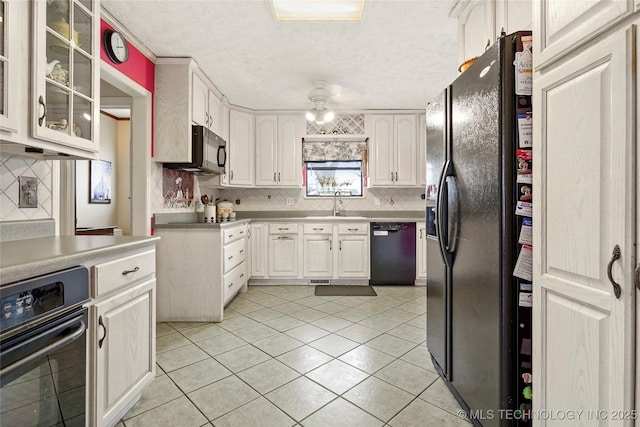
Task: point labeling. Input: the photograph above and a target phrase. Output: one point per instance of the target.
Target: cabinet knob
(274, 177)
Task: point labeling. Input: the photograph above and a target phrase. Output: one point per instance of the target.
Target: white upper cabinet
(10, 66)
(206, 106)
(562, 25)
(279, 150)
(422, 151)
(266, 150)
(476, 28)
(183, 98)
(513, 15)
(65, 69)
(393, 149)
(241, 149)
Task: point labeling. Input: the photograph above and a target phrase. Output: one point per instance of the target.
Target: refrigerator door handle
(441, 214)
(453, 210)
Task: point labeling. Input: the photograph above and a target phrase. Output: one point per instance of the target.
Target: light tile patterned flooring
(284, 357)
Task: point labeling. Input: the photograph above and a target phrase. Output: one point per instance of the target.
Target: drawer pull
(241, 250)
(101, 323)
(318, 229)
(352, 229)
(242, 275)
(283, 228)
(230, 285)
(230, 236)
(135, 270)
(230, 258)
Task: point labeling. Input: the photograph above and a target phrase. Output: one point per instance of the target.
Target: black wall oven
(43, 350)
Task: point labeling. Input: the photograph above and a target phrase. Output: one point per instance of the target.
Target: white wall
(123, 174)
(98, 215)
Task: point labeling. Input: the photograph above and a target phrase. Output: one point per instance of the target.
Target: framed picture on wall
(99, 181)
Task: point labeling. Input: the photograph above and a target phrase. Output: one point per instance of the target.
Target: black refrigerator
(478, 312)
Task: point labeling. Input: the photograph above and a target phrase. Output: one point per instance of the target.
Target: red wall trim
(138, 68)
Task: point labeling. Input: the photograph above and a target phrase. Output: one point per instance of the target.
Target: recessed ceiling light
(318, 10)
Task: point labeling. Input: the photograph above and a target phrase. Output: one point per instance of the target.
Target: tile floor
(284, 357)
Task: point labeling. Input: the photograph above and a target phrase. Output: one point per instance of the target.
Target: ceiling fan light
(329, 116)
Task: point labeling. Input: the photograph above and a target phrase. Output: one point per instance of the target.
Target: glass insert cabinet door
(66, 72)
(9, 40)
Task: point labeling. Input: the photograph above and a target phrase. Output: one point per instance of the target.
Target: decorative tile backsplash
(11, 168)
(344, 124)
(263, 199)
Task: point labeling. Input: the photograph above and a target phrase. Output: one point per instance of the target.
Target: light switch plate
(27, 192)
(289, 201)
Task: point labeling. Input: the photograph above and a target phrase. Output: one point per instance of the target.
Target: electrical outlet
(376, 201)
(289, 201)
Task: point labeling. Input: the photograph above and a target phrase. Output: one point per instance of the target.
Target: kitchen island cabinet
(201, 267)
(122, 334)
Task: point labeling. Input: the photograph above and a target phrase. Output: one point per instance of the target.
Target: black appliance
(208, 153)
(393, 253)
(477, 333)
(43, 350)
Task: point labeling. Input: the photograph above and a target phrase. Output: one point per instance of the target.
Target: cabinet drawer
(234, 253)
(122, 272)
(318, 229)
(235, 233)
(233, 280)
(283, 228)
(353, 228)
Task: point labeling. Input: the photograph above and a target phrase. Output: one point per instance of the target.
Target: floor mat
(344, 291)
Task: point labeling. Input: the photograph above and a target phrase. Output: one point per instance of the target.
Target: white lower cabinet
(258, 250)
(200, 271)
(317, 249)
(283, 252)
(353, 250)
(353, 258)
(121, 336)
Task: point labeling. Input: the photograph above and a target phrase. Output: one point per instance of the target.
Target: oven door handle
(68, 337)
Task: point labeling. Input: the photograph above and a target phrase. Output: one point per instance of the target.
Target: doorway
(134, 211)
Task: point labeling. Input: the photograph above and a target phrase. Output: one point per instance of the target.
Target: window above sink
(325, 178)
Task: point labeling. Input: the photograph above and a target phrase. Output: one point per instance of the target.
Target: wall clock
(115, 46)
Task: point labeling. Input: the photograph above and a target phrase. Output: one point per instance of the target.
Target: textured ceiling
(401, 55)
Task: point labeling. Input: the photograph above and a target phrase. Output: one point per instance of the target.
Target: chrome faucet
(337, 198)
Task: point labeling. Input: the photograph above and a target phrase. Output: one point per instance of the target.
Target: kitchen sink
(335, 218)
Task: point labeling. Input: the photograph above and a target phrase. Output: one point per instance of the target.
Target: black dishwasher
(393, 253)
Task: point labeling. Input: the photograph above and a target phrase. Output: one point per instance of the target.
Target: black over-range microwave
(208, 153)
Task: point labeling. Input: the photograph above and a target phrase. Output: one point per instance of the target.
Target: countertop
(26, 258)
(189, 220)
